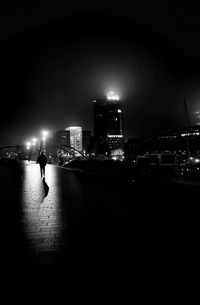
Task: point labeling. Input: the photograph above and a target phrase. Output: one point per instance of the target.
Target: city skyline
(53, 70)
(99, 148)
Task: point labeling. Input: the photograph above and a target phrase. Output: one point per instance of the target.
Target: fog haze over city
(99, 149)
(55, 60)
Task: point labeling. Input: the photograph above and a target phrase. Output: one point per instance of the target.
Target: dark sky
(57, 58)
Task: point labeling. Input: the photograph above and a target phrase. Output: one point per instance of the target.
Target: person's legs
(41, 170)
(44, 171)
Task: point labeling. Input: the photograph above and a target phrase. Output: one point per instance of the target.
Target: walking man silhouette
(42, 160)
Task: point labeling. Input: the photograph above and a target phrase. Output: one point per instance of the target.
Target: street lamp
(28, 145)
(34, 140)
(43, 141)
(44, 133)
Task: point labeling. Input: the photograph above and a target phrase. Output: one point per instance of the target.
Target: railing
(68, 148)
(20, 151)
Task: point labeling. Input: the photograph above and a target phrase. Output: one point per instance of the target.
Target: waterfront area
(74, 224)
(99, 151)
(65, 225)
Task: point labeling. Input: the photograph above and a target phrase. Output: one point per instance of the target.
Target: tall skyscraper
(108, 128)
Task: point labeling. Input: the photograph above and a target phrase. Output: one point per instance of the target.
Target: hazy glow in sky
(53, 73)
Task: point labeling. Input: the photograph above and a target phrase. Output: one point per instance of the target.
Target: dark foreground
(74, 230)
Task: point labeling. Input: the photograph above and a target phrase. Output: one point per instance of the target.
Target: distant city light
(119, 110)
(190, 134)
(115, 136)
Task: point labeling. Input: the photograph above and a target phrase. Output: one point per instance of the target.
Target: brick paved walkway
(69, 222)
(76, 227)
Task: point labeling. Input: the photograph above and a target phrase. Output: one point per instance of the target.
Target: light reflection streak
(41, 214)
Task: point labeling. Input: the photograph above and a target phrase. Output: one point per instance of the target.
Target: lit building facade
(75, 138)
(108, 126)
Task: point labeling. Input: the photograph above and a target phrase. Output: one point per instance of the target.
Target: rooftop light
(112, 96)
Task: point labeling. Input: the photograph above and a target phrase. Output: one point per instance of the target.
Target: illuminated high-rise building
(75, 136)
(108, 128)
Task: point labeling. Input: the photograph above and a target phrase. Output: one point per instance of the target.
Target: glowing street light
(28, 145)
(34, 140)
(44, 135)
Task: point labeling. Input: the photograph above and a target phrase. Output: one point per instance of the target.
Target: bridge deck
(67, 222)
(74, 226)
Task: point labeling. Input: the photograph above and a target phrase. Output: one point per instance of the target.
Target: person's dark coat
(42, 160)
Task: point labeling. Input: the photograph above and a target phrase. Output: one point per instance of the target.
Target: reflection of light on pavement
(41, 215)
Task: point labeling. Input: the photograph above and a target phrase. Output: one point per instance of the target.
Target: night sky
(57, 58)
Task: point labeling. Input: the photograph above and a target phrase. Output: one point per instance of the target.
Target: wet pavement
(67, 225)
(76, 230)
